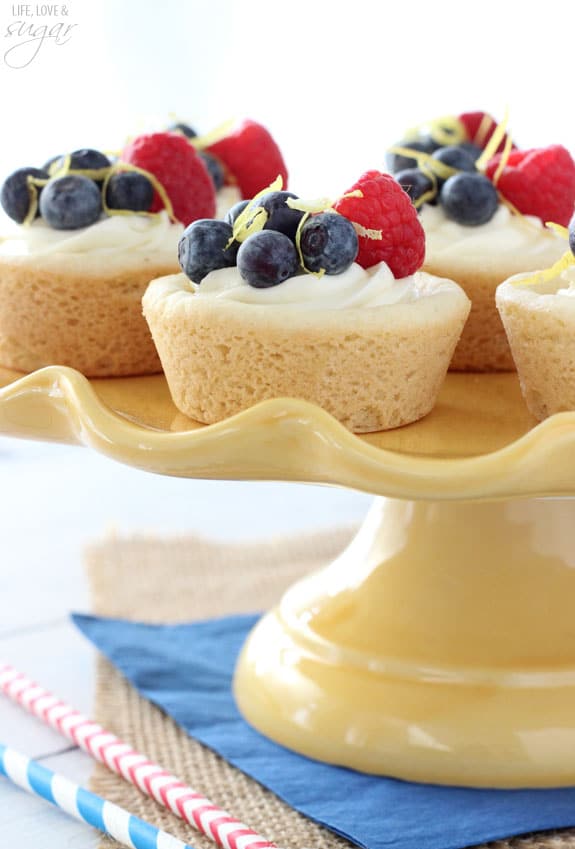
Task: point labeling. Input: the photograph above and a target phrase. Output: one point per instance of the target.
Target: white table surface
(53, 500)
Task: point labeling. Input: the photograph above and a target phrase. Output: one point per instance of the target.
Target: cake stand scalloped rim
(286, 439)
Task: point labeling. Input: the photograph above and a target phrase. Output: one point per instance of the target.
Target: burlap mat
(181, 580)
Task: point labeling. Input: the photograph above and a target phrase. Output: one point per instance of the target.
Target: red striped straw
(119, 757)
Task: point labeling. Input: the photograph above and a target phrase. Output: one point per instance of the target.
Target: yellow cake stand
(440, 646)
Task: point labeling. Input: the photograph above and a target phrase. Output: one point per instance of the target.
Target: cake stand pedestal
(440, 646)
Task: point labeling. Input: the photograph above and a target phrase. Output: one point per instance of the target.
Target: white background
(336, 82)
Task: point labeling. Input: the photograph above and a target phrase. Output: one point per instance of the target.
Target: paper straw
(82, 804)
(119, 757)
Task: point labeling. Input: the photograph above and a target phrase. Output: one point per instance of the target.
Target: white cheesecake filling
(507, 238)
(154, 238)
(352, 289)
(355, 287)
(139, 236)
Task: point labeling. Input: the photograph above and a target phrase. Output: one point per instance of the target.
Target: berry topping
(215, 170)
(204, 248)
(49, 165)
(400, 162)
(86, 159)
(328, 242)
(386, 222)
(469, 199)
(129, 190)
(251, 156)
(17, 194)
(267, 258)
(455, 157)
(177, 166)
(70, 202)
(473, 150)
(235, 211)
(280, 216)
(572, 234)
(538, 182)
(183, 129)
(415, 183)
(479, 127)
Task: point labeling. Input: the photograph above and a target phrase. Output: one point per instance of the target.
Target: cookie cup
(540, 326)
(371, 368)
(479, 259)
(483, 346)
(77, 311)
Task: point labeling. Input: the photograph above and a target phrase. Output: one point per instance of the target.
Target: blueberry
(267, 258)
(202, 248)
(430, 143)
(456, 157)
(280, 216)
(215, 170)
(328, 241)
(184, 129)
(414, 182)
(129, 190)
(469, 199)
(235, 211)
(15, 195)
(70, 202)
(572, 234)
(472, 149)
(398, 162)
(88, 159)
(85, 159)
(50, 162)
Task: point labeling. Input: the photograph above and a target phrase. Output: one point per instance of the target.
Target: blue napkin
(186, 670)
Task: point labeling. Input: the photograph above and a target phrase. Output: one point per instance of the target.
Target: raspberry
(252, 157)
(182, 173)
(472, 121)
(385, 206)
(539, 182)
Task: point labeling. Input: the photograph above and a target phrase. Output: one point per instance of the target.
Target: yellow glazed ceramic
(478, 443)
(441, 645)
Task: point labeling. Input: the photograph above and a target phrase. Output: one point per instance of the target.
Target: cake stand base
(439, 647)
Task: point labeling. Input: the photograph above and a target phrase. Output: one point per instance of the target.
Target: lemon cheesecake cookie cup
(308, 308)
(89, 235)
(483, 205)
(371, 350)
(479, 259)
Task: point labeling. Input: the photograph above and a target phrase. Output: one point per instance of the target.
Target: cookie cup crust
(372, 368)
(540, 326)
(77, 311)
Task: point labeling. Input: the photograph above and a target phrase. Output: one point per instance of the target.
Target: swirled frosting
(354, 288)
(522, 238)
(138, 235)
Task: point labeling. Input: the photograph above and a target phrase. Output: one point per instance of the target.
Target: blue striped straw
(83, 805)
